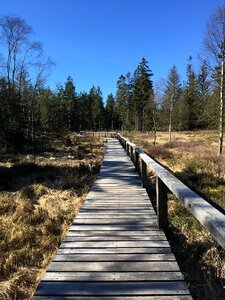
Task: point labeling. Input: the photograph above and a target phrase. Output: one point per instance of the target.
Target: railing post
(128, 146)
(161, 203)
(132, 153)
(137, 167)
(143, 173)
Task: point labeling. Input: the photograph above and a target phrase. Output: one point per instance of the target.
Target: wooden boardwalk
(114, 249)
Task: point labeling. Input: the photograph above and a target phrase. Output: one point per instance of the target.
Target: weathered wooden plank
(115, 185)
(84, 216)
(165, 297)
(125, 206)
(98, 187)
(99, 233)
(110, 190)
(71, 238)
(113, 276)
(104, 214)
(120, 266)
(115, 257)
(110, 202)
(112, 244)
(117, 199)
(112, 288)
(114, 250)
(117, 221)
(118, 206)
(121, 189)
(112, 227)
(119, 180)
(103, 219)
(120, 210)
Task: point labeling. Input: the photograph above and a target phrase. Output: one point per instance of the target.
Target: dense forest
(29, 109)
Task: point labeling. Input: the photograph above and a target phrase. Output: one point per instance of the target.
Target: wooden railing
(212, 219)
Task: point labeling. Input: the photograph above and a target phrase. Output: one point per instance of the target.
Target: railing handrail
(211, 218)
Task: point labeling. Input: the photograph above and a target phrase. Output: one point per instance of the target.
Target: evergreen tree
(141, 91)
(69, 97)
(121, 102)
(191, 97)
(84, 111)
(96, 109)
(204, 96)
(171, 98)
(110, 112)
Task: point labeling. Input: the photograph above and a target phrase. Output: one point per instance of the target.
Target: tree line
(29, 109)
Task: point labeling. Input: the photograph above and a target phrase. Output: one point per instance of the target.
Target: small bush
(33, 192)
(28, 193)
(7, 204)
(190, 166)
(160, 152)
(38, 216)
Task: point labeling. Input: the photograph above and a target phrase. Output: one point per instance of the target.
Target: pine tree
(121, 102)
(84, 111)
(141, 91)
(96, 109)
(110, 112)
(204, 95)
(69, 97)
(191, 97)
(171, 97)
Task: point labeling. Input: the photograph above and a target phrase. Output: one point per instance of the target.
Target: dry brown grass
(192, 156)
(39, 197)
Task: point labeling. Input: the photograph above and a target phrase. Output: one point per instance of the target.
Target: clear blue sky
(95, 41)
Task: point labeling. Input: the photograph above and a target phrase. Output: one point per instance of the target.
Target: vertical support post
(128, 146)
(137, 167)
(143, 173)
(161, 204)
(132, 153)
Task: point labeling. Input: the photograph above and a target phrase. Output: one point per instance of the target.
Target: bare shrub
(160, 152)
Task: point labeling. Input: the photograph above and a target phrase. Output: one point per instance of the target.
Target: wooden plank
(112, 227)
(111, 221)
(121, 189)
(165, 297)
(112, 244)
(128, 211)
(71, 238)
(118, 198)
(113, 214)
(111, 231)
(112, 276)
(114, 250)
(116, 218)
(119, 206)
(118, 202)
(112, 288)
(120, 266)
(115, 257)
(115, 233)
